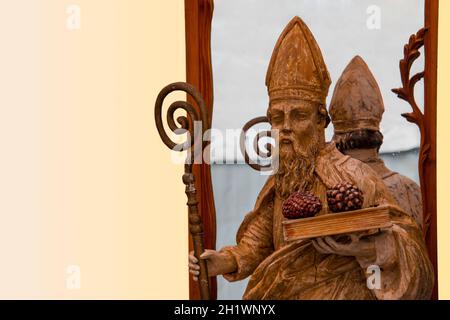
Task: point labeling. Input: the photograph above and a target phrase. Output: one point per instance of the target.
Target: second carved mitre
(297, 69)
(357, 103)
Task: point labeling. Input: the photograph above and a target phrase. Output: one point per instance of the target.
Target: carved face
(298, 123)
(300, 127)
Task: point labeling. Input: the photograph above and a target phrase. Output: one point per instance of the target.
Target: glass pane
(244, 33)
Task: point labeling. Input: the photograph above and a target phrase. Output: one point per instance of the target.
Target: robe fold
(405, 191)
(296, 270)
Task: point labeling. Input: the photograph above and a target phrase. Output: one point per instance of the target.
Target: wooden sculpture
(356, 110)
(323, 267)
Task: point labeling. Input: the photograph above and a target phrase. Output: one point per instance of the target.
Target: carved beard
(296, 170)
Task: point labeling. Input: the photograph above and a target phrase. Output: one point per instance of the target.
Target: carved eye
(298, 115)
(277, 118)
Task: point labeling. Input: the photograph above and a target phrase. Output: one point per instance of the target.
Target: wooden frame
(427, 159)
(198, 15)
(198, 18)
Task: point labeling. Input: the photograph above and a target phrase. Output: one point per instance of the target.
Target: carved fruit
(301, 205)
(344, 197)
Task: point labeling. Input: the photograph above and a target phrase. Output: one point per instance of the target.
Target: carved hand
(356, 247)
(217, 263)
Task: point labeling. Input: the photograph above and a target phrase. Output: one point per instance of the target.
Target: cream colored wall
(84, 177)
(443, 153)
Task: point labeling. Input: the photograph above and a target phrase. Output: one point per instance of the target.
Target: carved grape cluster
(301, 205)
(344, 197)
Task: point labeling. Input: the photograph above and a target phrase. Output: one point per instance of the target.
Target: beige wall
(84, 177)
(443, 153)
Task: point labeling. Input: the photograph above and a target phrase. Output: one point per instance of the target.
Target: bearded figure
(356, 111)
(321, 268)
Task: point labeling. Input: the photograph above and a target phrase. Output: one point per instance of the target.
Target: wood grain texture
(427, 160)
(198, 16)
(339, 223)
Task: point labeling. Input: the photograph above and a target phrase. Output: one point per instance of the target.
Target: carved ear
(269, 116)
(327, 121)
(324, 116)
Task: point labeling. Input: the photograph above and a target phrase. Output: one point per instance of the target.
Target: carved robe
(296, 270)
(404, 190)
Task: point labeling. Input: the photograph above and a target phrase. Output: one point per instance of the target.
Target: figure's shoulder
(263, 205)
(266, 192)
(331, 154)
(354, 166)
(401, 184)
(405, 181)
(334, 167)
(349, 162)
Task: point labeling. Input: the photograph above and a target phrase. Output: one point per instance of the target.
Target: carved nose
(286, 129)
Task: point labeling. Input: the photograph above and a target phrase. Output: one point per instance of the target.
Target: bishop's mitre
(297, 69)
(357, 102)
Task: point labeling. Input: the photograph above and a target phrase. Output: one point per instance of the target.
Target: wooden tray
(339, 223)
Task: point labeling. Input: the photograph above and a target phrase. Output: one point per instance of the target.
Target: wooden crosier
(192, 143)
